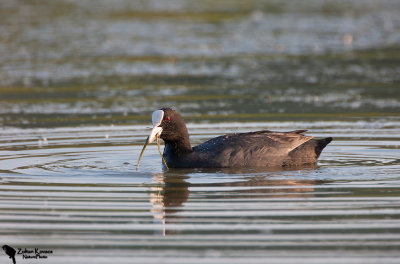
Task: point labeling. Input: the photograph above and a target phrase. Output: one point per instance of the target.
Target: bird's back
(254, 149)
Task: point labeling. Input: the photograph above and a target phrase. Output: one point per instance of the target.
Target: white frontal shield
(156, 118)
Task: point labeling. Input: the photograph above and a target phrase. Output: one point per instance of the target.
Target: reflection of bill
(167, 198)
(10, 252)
(172, 191)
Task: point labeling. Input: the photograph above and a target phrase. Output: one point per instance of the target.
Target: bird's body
(253, 149)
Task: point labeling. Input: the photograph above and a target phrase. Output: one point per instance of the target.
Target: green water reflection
(231, 60)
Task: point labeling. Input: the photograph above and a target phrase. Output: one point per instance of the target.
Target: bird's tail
(321, 144)
(13, 259)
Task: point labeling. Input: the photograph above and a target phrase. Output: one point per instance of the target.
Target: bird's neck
(178, 147)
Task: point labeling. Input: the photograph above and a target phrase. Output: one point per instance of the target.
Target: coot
(253, 149)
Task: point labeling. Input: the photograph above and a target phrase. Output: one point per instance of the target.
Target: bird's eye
(167, 119)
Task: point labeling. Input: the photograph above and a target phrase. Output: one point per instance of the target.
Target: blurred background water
(78, 83)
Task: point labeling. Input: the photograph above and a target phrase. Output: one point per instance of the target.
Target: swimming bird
(263, 148)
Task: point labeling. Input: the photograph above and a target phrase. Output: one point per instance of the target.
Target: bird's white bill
(156, 118)
(155, 132)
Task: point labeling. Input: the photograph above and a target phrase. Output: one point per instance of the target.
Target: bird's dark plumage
(253, 149)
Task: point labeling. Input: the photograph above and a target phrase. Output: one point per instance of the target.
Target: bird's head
(168, 124)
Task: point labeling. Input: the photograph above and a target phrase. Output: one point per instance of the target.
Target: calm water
(78, 83)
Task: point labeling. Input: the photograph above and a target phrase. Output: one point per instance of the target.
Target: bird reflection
(172, 189)
(168, 197)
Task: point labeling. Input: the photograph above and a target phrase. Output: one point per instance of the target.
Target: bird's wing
(279, 142)
(283, 142)
(298, 131)
(288, 141)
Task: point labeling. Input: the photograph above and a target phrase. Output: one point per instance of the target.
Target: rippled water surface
(79, 194)
(78, 83)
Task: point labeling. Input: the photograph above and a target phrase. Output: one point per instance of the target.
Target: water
(78, 83)
(79, 195)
